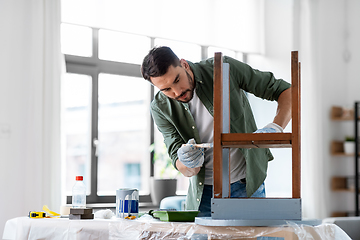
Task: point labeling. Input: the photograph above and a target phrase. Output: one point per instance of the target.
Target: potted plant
(164, 182)
(349, 145)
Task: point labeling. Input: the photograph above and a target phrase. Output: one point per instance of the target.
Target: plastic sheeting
(147, 228)
(56, 229)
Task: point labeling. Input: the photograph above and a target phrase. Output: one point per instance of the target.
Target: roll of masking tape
(65, 210)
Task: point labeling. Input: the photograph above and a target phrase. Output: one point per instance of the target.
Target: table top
(148, 228)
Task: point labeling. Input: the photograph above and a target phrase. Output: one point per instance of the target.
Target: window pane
(76, 40)
(225, 51)
(124, 134)
(123, 47)
(239, 56)
(76, 107)
(187, 51)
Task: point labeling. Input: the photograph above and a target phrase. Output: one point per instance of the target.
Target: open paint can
(127, 202)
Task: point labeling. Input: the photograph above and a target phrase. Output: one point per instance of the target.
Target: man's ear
(184, 64)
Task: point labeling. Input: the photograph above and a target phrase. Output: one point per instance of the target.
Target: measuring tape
(43, 214)
(37, 214)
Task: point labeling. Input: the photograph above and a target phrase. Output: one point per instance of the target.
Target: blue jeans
(238, 190)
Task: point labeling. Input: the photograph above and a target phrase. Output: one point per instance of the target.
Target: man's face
(177, 83)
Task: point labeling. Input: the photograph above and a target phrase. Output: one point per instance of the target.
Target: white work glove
(270, 128)
(190, 155)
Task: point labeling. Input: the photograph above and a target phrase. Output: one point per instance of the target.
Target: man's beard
(191, 89)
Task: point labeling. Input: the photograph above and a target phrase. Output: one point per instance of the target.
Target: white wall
(29, 158)
(339, 36)
(15, 116)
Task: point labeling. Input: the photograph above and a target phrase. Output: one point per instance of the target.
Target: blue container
(127, 202)
(133, 205)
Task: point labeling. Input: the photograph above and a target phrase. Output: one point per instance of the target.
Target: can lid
(79, 178)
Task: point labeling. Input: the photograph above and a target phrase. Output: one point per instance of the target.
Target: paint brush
(200, 145)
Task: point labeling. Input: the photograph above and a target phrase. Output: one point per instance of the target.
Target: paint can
(127, 202)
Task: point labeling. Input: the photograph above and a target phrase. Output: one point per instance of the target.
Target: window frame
(93, 66)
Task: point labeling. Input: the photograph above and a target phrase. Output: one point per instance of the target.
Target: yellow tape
(51, 213)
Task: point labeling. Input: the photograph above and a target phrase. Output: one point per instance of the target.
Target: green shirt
(176, 123)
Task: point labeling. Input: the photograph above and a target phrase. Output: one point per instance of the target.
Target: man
(183, 113)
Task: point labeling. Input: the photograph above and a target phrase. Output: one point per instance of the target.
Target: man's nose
(177, 91)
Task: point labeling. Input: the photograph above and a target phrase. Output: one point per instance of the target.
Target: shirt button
(186, 109)
(200, 183)
(193, 127)
(198, 200)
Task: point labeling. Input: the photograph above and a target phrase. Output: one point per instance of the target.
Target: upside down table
(226, 211)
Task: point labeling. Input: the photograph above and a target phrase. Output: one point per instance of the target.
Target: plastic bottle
(79, 193)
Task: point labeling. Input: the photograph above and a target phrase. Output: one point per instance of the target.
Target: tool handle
(200, 145)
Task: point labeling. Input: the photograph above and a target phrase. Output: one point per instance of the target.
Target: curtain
(30, 66)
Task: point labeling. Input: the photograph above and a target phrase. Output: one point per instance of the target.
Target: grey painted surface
(226, 129)
(208, 221)
(256, 208)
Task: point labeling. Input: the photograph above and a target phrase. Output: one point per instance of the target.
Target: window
(123, 133)
(106, 124)
(122, 47)
(106, 118)
(188, 51)
(76, 103)
(76, 40)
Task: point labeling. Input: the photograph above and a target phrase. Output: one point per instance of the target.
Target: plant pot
(161, 188)
(349, 147)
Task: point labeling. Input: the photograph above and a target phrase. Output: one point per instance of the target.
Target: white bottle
(79, 193)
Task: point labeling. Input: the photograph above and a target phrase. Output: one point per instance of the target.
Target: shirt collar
(196, 72)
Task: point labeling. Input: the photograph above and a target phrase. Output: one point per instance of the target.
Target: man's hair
(158, 61)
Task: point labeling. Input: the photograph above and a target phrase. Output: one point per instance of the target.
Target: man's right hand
(187, 172)
(190, 155)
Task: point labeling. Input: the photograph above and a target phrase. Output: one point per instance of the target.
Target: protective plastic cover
(146, 227)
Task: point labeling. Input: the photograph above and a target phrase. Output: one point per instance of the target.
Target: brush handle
(200, 145)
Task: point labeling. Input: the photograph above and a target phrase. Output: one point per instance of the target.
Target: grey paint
(256, 208)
